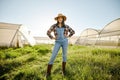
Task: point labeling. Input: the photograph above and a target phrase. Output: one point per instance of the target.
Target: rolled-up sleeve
(49, 32)
(71, 31)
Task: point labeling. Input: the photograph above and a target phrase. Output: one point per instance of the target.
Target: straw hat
(61, 15)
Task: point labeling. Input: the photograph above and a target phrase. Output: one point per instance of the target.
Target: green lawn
(84, 63)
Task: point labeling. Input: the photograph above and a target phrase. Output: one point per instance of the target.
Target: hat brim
(64, 17)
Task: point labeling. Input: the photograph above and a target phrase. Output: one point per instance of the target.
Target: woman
(61, 34)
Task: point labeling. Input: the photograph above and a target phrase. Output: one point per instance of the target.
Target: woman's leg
(64, 50)
(53, 56)
(64, 55)
(54, 52)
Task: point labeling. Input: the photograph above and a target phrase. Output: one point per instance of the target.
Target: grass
(84, 63)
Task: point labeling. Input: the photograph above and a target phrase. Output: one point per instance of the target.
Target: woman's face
(60, 19)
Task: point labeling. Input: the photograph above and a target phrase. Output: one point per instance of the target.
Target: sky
(38, 15)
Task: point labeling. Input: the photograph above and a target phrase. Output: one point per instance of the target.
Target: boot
(49, 70)
(63, 68)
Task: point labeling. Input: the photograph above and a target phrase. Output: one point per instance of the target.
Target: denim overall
(61, 41)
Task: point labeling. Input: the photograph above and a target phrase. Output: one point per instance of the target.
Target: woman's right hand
(54, 38)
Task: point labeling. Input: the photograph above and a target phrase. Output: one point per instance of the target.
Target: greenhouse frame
(88, 37)
(108, 36)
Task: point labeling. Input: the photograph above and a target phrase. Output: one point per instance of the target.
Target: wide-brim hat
(61, 15)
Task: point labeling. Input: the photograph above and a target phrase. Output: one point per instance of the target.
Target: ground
(83, 63)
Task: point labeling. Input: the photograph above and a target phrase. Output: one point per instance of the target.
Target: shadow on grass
(7, 68)
(26, 76)
(115, 72)
(49, 78)
(31, 59)
(43, 51)
(68, 75)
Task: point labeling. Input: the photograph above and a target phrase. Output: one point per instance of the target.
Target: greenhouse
(88, 37)
(108, 36)
(15, 35)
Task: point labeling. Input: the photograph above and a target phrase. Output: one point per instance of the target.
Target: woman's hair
(63, 23)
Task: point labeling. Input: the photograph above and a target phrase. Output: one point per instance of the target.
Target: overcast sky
(39, 14)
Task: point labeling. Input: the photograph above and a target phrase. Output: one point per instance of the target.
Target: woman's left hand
(66, 36)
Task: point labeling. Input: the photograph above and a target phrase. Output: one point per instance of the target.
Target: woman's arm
(49, 32)
(71, 31)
